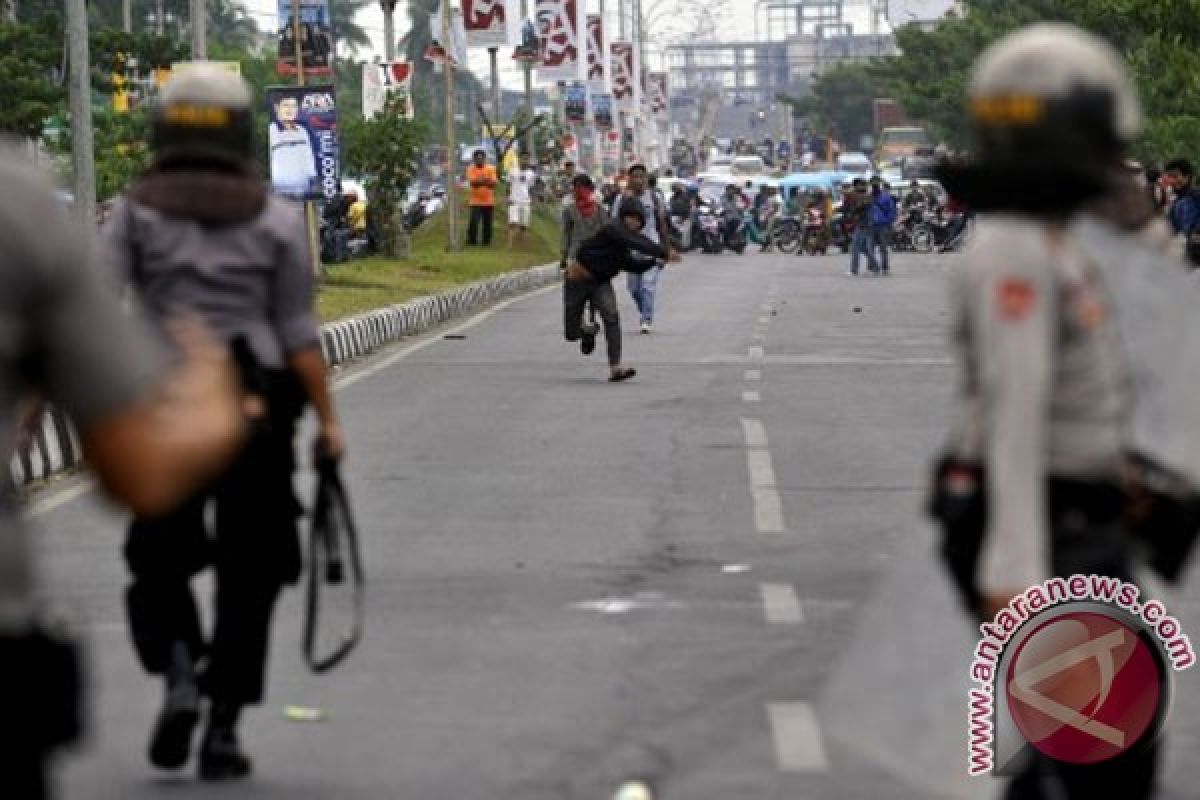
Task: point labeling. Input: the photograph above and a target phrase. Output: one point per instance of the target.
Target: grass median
(366, 284)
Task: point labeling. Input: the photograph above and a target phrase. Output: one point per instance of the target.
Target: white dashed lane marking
(781, 604)
(753, 376)
(756, 352)
(751, 397)
(798, 743)
(756, 434)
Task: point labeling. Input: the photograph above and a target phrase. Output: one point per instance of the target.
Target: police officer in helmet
(1044, 406)
(200, 232)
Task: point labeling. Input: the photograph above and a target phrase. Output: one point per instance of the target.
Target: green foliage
(350, 35)
(842, 100)
(385, 151)
(1160, 39)
(29, 60)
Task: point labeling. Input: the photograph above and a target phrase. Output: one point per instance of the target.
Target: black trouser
(253, 548)
(576, 296)
(1087, 538)
(480, 216)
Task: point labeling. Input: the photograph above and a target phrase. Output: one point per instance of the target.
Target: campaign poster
(575, 96)
(597, 55)
(602, 111)
(560, 32)
(626, 84)
(657, 96)
(458, 38)
(381, 80)
(303, 142)
(492, 23)
(316, 38)
(528, 50)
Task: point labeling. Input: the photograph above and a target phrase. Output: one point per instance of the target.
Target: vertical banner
(528, 45)
(303, 142)
(491, 23)
(381, 80)
(316, 38)
(626, 83)
(456, 48)
(560, 31)
(598, 68)
(657, 94)
(602, 111)
(576, 105)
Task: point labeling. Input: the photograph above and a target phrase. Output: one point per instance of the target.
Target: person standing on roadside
(481, 178)
(520, 201)
(151, 432)
(1045, 412)
(599, 259)
(643, 283)
(1184, 214)
(882, 218)
(199, 232)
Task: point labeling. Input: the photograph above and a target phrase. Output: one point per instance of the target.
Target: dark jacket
(611, 251)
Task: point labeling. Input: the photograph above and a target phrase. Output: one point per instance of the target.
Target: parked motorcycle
(736, 233)
(841, 232)
(710, 238)
(816, 233)
(787, 234)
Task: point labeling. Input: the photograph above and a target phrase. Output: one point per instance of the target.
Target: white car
(720, 165)
(856, 164)
(748, 165)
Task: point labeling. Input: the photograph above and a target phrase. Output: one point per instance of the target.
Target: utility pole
(127, 16)
(528, 68)
(83, 156)
(310, 208)
(199, 9)
(389, 29)
(160, 19)
(493, 57)
(451, 144)
(8, 11)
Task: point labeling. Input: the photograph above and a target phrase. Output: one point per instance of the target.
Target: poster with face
(303, 142)
(602, 111)
(560, 32)
(576, 102)
(626, 84)
(597, 55)
(383, 80)
(492, 23)
(316, 38)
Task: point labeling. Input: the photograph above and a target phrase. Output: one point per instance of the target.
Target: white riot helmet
(1052, 110)
(204, 113)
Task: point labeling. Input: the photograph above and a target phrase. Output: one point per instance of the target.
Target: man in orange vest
(481, 177)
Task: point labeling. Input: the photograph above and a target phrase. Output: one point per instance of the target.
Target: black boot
(171, 740)
(221, 756)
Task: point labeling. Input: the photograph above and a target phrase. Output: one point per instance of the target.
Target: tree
(842, 98)
(385, 150)
(230, 24)
(29, 64)
(349, 33)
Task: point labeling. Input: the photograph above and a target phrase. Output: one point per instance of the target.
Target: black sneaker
(221, 757)
(171, 739)
(587, 345)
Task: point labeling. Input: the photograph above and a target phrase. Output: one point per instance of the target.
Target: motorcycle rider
(732, 207)
(681, 209)
(199, 231)
(1045, 404)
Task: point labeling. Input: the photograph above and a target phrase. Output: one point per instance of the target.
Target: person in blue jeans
(858, 209)
(882, 217)
(643, 282)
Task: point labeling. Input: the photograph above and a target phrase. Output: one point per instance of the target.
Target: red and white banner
(598, 68)
(492, 23)
(561, 32)
(381, 80)
(658, 96)
(626, 80)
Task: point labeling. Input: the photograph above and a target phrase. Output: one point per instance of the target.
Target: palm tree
(349, 34)
(231, 25)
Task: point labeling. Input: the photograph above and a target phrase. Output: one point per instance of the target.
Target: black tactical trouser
(254, 550)
(1088, 538)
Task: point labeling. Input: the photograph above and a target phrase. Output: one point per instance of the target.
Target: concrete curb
(54, 448)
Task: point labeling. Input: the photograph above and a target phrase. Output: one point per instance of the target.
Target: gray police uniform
(248, 276)
(1044, 401)
(64, 337)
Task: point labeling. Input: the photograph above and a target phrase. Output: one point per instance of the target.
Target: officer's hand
(995, 602)
(329, 444)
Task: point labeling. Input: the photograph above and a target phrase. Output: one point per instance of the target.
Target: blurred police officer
(200, 232)
(1045, 406)
(150, 435)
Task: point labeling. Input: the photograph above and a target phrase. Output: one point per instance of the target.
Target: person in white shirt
(293, 163)
(520, 201)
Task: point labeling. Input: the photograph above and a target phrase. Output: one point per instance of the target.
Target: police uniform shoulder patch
(1015, 298)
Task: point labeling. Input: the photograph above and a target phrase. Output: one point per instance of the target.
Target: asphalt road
(715, 578)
